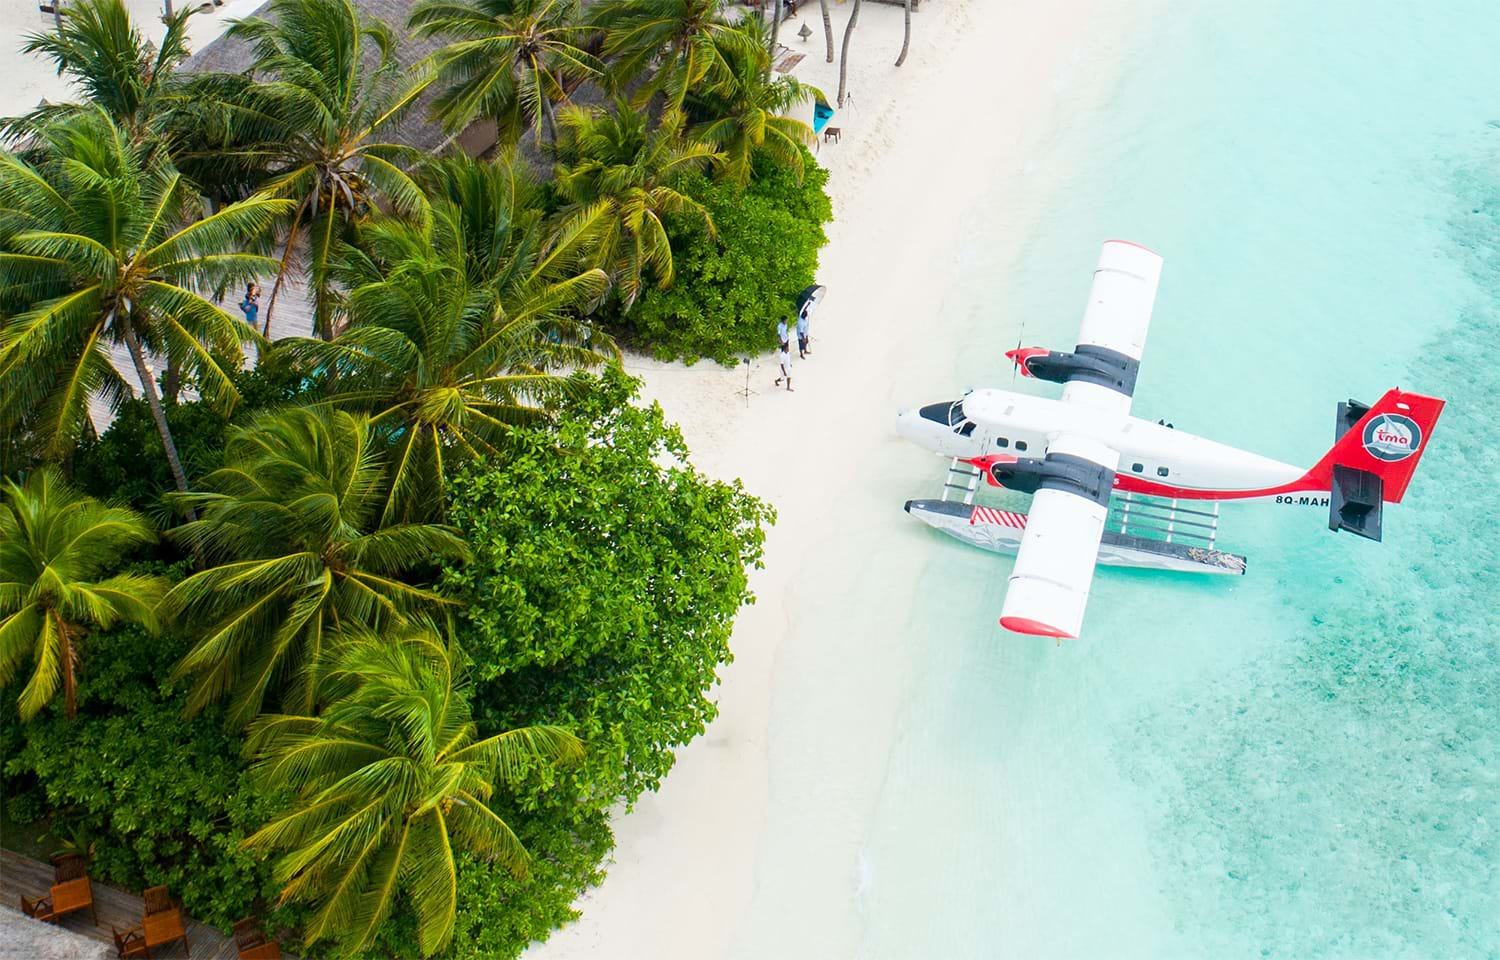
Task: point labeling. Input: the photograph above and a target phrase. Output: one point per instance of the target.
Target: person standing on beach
(802, 350)
(785, 359)
(781, 332)
(250, 306)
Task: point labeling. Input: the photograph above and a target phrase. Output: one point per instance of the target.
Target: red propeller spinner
(984, 464)
(1020, 355)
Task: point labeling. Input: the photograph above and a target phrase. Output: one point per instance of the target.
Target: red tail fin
(1387, 440)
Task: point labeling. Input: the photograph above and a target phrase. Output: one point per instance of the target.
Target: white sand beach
(698, 872)
(30, 79)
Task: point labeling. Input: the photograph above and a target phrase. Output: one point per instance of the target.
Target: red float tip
(1034, 628)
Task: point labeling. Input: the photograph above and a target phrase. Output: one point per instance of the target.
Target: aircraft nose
(907, 425)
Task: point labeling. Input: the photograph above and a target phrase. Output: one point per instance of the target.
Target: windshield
(950, 413)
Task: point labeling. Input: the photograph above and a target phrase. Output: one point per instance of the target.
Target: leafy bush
(163, 800)
(604, 583)
(126, 464)
(731, 289)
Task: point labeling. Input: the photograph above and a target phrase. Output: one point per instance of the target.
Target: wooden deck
(292, 318)
(22, 876)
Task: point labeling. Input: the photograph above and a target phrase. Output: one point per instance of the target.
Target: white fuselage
(1153, 458)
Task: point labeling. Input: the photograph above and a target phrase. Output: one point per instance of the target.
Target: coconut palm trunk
(549, 118)
(844, 55)
(69, 658)
(775, 36)
(906, 38)
(827, 28)
(281, 270)
(153, 400)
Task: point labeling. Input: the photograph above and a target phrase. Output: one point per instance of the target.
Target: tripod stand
(747, 392)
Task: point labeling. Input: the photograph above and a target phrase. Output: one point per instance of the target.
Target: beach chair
(68, 866)
(130, 943)
(38, 909)
(252, 943)
(71, 892)
(163, 920)
(247, 933)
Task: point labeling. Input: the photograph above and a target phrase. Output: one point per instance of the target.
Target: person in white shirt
(781, 332)
(785, 359)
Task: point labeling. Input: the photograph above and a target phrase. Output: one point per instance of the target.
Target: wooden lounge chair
(66, 896)
(131, 943)
(163, 920)
(158, 900)
(252, 942)
(69, 866)
(38, 909)
(247, 933)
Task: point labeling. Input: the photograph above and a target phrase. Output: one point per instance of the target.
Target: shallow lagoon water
(1304, 763)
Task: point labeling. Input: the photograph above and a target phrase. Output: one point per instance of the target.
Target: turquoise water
(1304, 763)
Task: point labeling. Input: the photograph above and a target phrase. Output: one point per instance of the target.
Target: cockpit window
(950, 413)
(966, 429)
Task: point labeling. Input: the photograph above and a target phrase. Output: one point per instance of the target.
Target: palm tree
(844, 53)
(905, 37)
(680, 42)
(744, 112)
(510, 61)
(99, 241)
(114, 67)
(55, 545)
(291, 525)
(616, 172)
(775, 36)
(446, 351)
(389, 780)
(316, 122)
(827, 28)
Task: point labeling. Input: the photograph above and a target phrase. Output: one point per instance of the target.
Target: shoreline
(917, 150)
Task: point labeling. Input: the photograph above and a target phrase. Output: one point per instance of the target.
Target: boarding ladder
(1158, 519)
(963, 477)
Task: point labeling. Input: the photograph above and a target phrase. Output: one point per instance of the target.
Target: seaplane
(1110, 488)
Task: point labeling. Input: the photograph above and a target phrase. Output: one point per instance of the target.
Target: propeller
(1015, 366)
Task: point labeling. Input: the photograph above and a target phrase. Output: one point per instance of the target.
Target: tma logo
(1391, 437)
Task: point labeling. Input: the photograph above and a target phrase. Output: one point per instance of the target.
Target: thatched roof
(229, 55)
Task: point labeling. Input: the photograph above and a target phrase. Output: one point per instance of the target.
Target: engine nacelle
(1098, 365)
(1059, 471)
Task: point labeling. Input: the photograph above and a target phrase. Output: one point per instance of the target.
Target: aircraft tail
(1375, 452)
(1386, 440)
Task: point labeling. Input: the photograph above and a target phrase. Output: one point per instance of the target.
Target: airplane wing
(1115, 322)
(1049, 585)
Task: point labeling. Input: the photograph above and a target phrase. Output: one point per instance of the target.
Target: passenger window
(1002, 442)
(1162, 471)
(1020, 444)
(1137, 467)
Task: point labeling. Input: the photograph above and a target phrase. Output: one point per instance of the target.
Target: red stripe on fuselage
(1128, 483)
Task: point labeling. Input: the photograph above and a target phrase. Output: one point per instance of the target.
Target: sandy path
(976, 95)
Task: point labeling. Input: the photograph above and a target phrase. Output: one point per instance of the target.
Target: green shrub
(126, 464)
(605, 580)
(729, 291)
(163, 800)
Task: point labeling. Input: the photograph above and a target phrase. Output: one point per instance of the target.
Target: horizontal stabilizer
(1356, 501)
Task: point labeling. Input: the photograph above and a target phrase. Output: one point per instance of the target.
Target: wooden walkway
(293, 318)
(22, 876)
